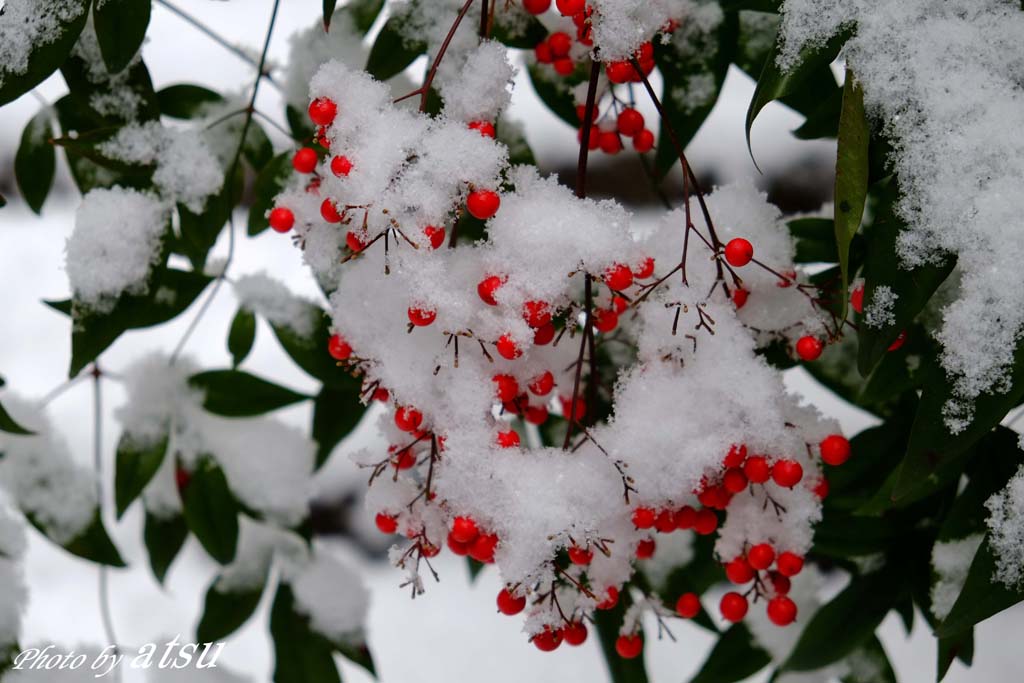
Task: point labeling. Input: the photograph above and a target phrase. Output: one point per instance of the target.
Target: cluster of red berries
(628, 124)
(771, 584)
(624, 71)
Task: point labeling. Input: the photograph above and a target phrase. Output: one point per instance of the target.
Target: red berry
(739, 571)
(665, 522)
(609, 142)
(549, 639)
(644, 270)
(458, 548)
(734, 481)
(281, 219)
(901, 338)
(542, 384)
(643, 518)
(739, 252)
(487, 287)
(643, 141)
(618, 277)
(835, 449)
(739, 297)
(329, 211)
(645, 549)
(820, 488)
(780, 584)
(408, 419)
(560, 43)
(544, 334)
(757, 469)
(735, 456)
(781, 610)
(485, 128)
(421, 317)
(809, 348)
(581, 556)
(857, 299)
(353, 242)
(611, 598)
(506, 386)
(787, 473)
(482, 548)
(542, 51)
(594, 139)
(789, 564)
(341, 166)
(510, 604)
(428, 549)
(338, 348)
(578, 412)
(321, 137)
(305, 160)
(322, 111)
(536, 6)
(483, 204)
(761, 556)
(619, 304)
(386, 523)
(575, 633)
(435, 235)
(569, 8)
(536, 313)
(564, 66)
(620, 72)
(688, 605)
(507, 348)
(581, 112)
(182, 477)
(629, 647)
(508, 439)
(536, 415)
(464, 529)
(706, 522)
(733, 606)
(404, 459)
(630, 122)
(381, 394)
(605, 320)
(686, 517)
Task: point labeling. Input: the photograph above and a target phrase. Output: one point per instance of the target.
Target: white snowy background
(452, 633)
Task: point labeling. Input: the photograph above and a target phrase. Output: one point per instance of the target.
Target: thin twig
(97, 433)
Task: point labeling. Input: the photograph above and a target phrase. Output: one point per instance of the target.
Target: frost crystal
(27, 25)
(1006, 531)
(879, 311)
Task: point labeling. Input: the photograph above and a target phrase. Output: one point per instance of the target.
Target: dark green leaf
(821, 119)
(755, 5)
(299, 124)
(45, 56)
(86, 173)
(224, 613)
(93, 544)
(848, 621)
(336, 412)
(300, 654)
(269, 183)
(257, 150)
(475, 567)
(959, 646)
(851, 188)
(733, 658)
(131, 91)
(871, 657)
(982, 596)
(120, 29)
(310, 351)
(329, 6)
(234, 393)
(186, 101)
(391, 53)
(211, 511)
(358, 654)
(364, 13)
(556, 94)
(241, 336)
(7, 424)
(36, 160)
(135, 466)
(164, 537)
(607, 623)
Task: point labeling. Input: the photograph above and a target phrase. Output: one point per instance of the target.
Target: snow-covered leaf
(364, 13)
(93, 544)
(300, 654)
(9, 425)
(981, 597)
(391, 52)
(45, 37)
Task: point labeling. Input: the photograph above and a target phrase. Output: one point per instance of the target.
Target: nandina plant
(590, 401)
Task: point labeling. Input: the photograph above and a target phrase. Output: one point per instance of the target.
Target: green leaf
(186, 101)
(364, 13)
(959, 646)
(848, 621)
(224, 613)
(120, 29)
(170, 292)
(299, 123)
(870, 657)
(7, 423)
(524, 35)
(608, 623)
(211, 511)
(982, 596)
(882, 268)
(87, 174)
(92, 544)
(269, 183)
(44, 56)
(336, 412)
(300, 654)
(36, 160)
(234, 393)
(241, 336)
(310, 352)
(164, 537)
(775, 84)
(851, 188)
(358, 654)
(329, 6)
(733, 658)
(556, 94)
(132, 89)
(135, 466)
(391, 53)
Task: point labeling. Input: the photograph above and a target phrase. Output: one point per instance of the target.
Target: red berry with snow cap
(618, 277)
(482, 548)
(548, 640)
(643, 518)
(421, 317)
(464, 529)
(435, 235)
(353, 242)
(580, 556)
(408, 419)
(508, 439)
(757, 469)
(485, 128)
(645, 269)
(506, 387)
(645, 549)
(322, 111)
(542, 384)
(487, 287)
(611, 599)
(575, 634)
(329, 211)
(536, 313)
(507, 348)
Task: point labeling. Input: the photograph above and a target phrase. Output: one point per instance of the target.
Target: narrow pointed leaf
(234, 393)
(851, 188)
(120, 29)
(36, 160)
(734, 657)
(241, 336)
(226, 612)
(135, 466)
(164, 537)
(7, 424)
(211, 511)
